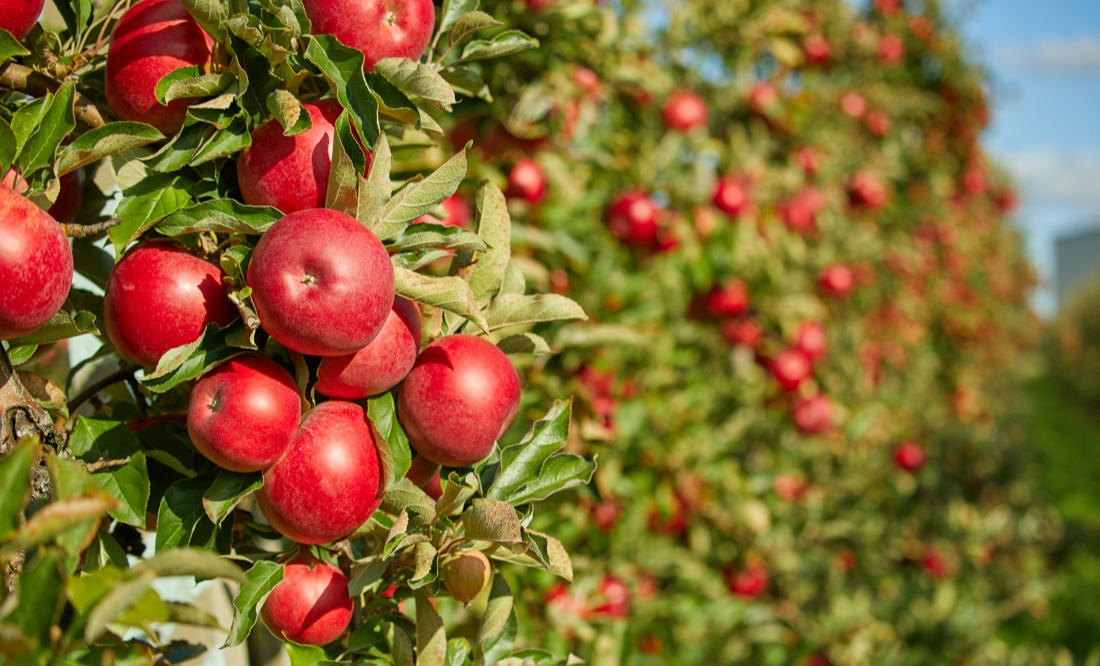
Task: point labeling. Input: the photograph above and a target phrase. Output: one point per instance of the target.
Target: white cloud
(1048, 177)
(1054, 55)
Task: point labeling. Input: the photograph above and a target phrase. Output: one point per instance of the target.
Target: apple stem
(85, 230)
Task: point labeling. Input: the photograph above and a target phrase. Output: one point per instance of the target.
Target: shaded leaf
(257, 584)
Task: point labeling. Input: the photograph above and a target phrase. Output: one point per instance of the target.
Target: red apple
(811, 340)
(322, 283)
(837, 280)
(866, 191)
(853, 104)
(731, 196)
(934, 564)
(457, 211)
(790, 487)
(326, 482)
(426, 474)
(153, 38)
(290, 172)
(380, 365)
(526, 181)
(878, 122)
(909, 456)
(19, 16)
(588, 82)
(799, 213)
(685, 110)
(36, 266)
(160, 297)
(378, 28)
(790, 368)
(729, 300)
(244, 413)
(70, 198)
(612, 599)
(461, 396)
(744, 331)
(763, 96)
(311, 604)
(632, 218)
(750, 582)
(808, 159)
(813, 415)
(816, 49)
(891, 50)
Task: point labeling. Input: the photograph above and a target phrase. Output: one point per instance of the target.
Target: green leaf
(147, 203)
(365, 573)
(117, 601)
(404, 496)
(348, 161)
(27, 119)
(342, 66)
(451, 293)
(61, 326)
(466, 81)
(10, 47)
(305, 655)
(543, 552)
(456, 493)
(471, 22)
(458, 649)
(258, 583)
(191, 82)
(40, 596)
(54, 125)
(181, 512)
(494, 226)
(453, 10)
(212, 16)
(502, 44)
(94, 263)
(514, 309)
(431, 636)
(224, 216)
(414, 78)
(426, 236)
(375, 191)
(392, 103)
(533, 469)
(102, 142)
(80, 514)
(383, 414)
(129, 485)
(7, 146)
(98, 439)
(227, 491)
(288, 110)
(203, 565)
(524, 343)
(497, 632)
(492, 520)
(15, 479)
(189, 361)
(421, 197)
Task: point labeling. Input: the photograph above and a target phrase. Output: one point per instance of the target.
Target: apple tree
(303, 375)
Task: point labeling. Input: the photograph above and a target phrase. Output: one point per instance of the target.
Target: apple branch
(86, 230)
(26, 80)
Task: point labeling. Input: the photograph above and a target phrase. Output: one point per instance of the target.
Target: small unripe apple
(326, 482)
(244, 413)
(750, 582)
(790, 368)
(813, 415)
(70, 198)
(378, 28)
(322, 282)
(310, 605)
(153, 38)
(837, 280)
(811, 340)
(731, 196)
(527, 181)
(465, 575)
(461, 396)
(379, 366)
(19, 16)
(160, 297)
(36, 266)
(909, 456)
(290, 172)
(632, 217)
(685, 110)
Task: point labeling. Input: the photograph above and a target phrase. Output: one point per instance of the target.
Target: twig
(114, 377)
(100, 465)
(85, 230)
(24, 79)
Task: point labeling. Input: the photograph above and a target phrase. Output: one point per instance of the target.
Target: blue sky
(1044, 61)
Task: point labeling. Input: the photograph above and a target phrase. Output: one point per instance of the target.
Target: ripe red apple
(311, 604)
(461, 395)
(379, 366)
(290, 172)
(837, 280)
(244, 413)
(326, 482)
(153, 38)
(36, 266)
(378, 28)
(632, 218)
(526, 181)
(70, 198)
(19, 16)
(799, 213)
(763, 96)
(589, 82)
(808, 159)
(465, 575)
(750, 582)
(816, 49)
(458, 213)
(909, 456)
(878, 122)
(934, 564)
(322, 282)
(684, 111)
(611, 600)
(866, 191)
(160, 297)
(731, 196)
(728, 300)
(813, 415)
(891, 49)
(744, 331)
(811, 340)
(426, 474)
(790, 368)
(853, 104)
(790, 487)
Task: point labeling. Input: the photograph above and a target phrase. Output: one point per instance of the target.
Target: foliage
(1075, 343)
